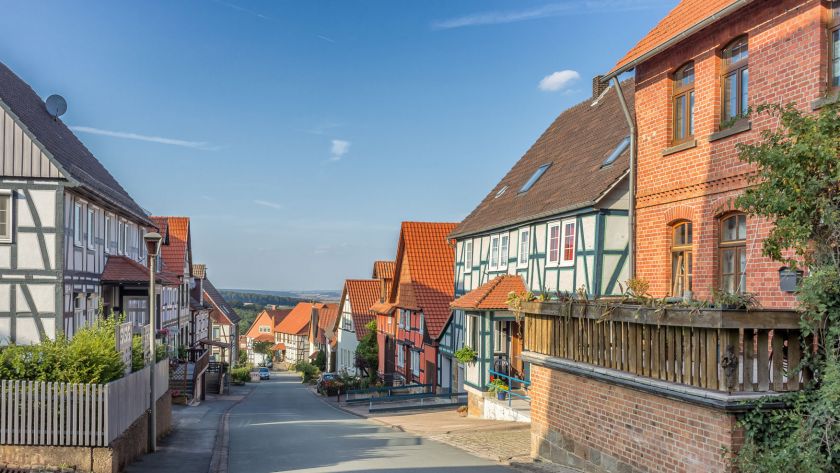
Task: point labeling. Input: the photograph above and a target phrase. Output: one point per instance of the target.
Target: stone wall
(599, 427)
(126, 448)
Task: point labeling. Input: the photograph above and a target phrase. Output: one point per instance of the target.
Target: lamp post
(152, 241)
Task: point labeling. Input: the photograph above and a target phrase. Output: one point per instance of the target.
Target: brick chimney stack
(598, 86)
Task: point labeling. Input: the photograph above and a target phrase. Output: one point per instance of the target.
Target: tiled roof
(362, 294)
(274, 318)
(687, 14)
(278, 315)
(64, 146)
(491, 295)
(383, 308)
(278, 347)
(383, 269)
(297, 321)
(327, 315)
(575, 146)
(431, 259)
(216, 298)
(264, 337)
(198, 270)
(175, 249)
(121, 269)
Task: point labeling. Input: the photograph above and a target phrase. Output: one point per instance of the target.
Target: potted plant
(498, 386)
(466, 355)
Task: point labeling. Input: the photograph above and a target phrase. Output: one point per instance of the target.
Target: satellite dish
(56, 105)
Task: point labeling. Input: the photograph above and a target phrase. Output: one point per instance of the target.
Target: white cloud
(339, 149)
(266, 203)
(243, 10)
(558, 80)
(202, 145)
(325, 38)
(569, 7)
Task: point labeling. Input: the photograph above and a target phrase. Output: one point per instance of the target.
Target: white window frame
(504, 250)
(91, 226)
(401, 356)
(468, 256)
(415, 363)
(548, 253)
(495, 250)
(121, 238)
(407, 321)
(524, 246)
(107, 234)
(9, 220)
(77, 224)
(421, 319)
(563, 235)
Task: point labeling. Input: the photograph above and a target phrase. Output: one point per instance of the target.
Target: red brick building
(691, 98)
(697, 75)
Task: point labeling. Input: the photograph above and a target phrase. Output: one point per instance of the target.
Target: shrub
(240, 375)
(307, 370)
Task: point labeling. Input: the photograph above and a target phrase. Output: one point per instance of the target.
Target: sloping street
(281, 426)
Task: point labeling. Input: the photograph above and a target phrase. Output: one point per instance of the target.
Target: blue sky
(298, 134)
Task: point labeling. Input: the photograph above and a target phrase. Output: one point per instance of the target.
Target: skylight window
(501, 191)
(534, 178)
(622, 147)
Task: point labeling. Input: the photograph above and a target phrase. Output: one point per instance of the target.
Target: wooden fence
(732, 351)
(125, 337)
(65, 414)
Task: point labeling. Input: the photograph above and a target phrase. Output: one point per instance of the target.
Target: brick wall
(787, 63)
(597, 427)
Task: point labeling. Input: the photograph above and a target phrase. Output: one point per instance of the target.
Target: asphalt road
(282, 426)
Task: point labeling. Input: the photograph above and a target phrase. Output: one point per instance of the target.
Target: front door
(516, 349)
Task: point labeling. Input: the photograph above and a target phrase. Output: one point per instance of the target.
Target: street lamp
(152, 241)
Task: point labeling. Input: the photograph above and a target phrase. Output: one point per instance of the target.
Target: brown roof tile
(684, 16)
(362, 294)
(575, 146)
(491, 295)
(175, 250)
(298, 319)
(121, 269)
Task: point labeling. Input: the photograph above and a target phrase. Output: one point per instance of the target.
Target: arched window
(683, 103)
(681, 261)
(736, 77)
(733, 255)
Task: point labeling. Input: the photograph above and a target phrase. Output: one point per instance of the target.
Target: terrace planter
(501, 395)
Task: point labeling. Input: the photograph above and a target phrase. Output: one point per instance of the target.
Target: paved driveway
(281, 426)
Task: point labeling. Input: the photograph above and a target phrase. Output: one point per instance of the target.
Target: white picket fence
(90, 415)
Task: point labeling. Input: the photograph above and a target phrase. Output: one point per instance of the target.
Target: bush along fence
(74, 414)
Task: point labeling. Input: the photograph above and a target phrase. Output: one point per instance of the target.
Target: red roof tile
(383, 308)
(174, 251)
(430, 275)
(687, 14)
(264, 337)
(278, 347)
(383, 269)
(362, 294)
(124, 270)
(491, 295)
(327, 316)
(298, 319)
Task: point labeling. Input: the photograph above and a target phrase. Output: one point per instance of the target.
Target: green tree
(367, 352)
(264, 348)
(797, 187)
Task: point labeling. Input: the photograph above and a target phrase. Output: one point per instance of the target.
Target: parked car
(264, 373)
(328, 383)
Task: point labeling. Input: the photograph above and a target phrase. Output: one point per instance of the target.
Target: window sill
(739, 127)
(832, 97)
(680, 147)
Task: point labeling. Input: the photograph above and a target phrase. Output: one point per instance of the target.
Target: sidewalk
(508, 443)
(190, 446)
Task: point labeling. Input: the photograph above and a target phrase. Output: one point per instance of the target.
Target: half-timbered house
(176, 259)
(224, 331)
(383, 271)
(355, 314)
(556, 222)
(294, 331)
(63, 216)
(262, 330)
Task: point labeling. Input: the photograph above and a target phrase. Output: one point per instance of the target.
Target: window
(524, 245)
(568, 253)
(90, 227)
(415, 363)
(121, 238)
(504, 252)
(684, 103)
(5, 216)
(681, 262)
(400, 323)
(400, 356)
(735, 79)
(501, 192)
(534, 178)
(834, 47)
(77, 224)
(554, 243)
(618, 151)
(265, 329)
(733, 255)
(468, 256)
(494, 252)
(472, 332)
(407, 319)
(107, 234)
(420, 322)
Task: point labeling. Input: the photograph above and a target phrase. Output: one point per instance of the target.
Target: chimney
(598, 86)
(271, 307)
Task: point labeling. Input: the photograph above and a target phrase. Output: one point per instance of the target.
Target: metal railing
(510, 392)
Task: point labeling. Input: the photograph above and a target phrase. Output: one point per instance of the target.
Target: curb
(219, 462)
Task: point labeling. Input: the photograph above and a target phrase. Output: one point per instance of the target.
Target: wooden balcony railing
(723, 350)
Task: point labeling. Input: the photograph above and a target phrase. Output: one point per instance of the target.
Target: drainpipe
(631, 212)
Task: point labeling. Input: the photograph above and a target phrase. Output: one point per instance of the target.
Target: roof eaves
(518, 221)
(630, 65)
(612, 186)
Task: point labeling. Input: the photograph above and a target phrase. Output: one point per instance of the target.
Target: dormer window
(621, 148)
(501, 192)
(735, 79)
(534, 178)
(683, 103)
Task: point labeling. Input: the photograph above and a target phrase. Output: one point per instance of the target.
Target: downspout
(631, 211)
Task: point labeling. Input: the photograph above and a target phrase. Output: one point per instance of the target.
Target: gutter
(631, 206)
(735, 6)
